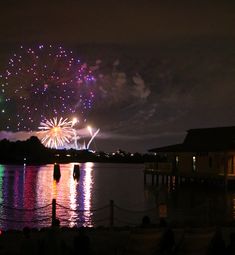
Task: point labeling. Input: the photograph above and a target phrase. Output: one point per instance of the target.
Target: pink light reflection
(87, 189)
(72, 197)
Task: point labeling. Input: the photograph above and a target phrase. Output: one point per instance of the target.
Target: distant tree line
(32, 151)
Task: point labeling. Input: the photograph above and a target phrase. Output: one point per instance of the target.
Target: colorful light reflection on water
(87, 184)
(31, 187)
(34, 187)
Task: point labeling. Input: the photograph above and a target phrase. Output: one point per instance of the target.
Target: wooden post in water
(111, 217)
(152, 178)
(56, 172)
(171, 181)
(163, 179)
(53, 218)
(157, 179)
(76, 172)
(225, 173)
(176, 180)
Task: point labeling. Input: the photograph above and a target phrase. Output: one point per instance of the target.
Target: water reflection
(1, 182)
(1, 187)
(87, 189)
(65, 193)
(73, 183)
(46, 189)
(72, 195)
(33, 186)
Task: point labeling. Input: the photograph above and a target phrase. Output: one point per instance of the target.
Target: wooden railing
(165, 167)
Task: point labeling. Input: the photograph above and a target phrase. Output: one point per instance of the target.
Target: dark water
(26, 195)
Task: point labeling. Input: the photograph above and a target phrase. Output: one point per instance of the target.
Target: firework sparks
(56, 133)
(92, 136)
(42, 82)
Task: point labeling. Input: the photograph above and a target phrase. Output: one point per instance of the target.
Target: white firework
(92, 136)
(56, 133)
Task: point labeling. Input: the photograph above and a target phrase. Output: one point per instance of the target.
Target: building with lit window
(204, 152)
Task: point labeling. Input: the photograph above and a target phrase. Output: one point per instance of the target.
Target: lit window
(194, 164)
(177, 160)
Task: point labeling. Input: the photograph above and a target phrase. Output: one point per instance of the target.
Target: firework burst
(42, 82)
(56, 133)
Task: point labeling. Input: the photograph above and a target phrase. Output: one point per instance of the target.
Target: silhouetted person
(217, 244)
(27, 244)
(231, 246)
(146, 221)
(54, 244)
(167, 241)
(81, 243)
(163, 223)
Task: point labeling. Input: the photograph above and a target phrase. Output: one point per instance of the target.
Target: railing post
(152, 178)
(56, 172)
(53, 218)
(111, 213)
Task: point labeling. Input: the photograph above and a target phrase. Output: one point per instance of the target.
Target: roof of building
(204, 139)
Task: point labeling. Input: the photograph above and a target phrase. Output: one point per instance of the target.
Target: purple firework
(42, 82)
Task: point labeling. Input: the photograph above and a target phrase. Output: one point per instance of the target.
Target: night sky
(162, 67)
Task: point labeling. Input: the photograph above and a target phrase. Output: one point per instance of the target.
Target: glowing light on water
(1, 186)
(1, 181)
(87, 187)
(72, 197)
(54, 189)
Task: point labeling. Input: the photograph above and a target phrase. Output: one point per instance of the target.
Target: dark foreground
(103, 241)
